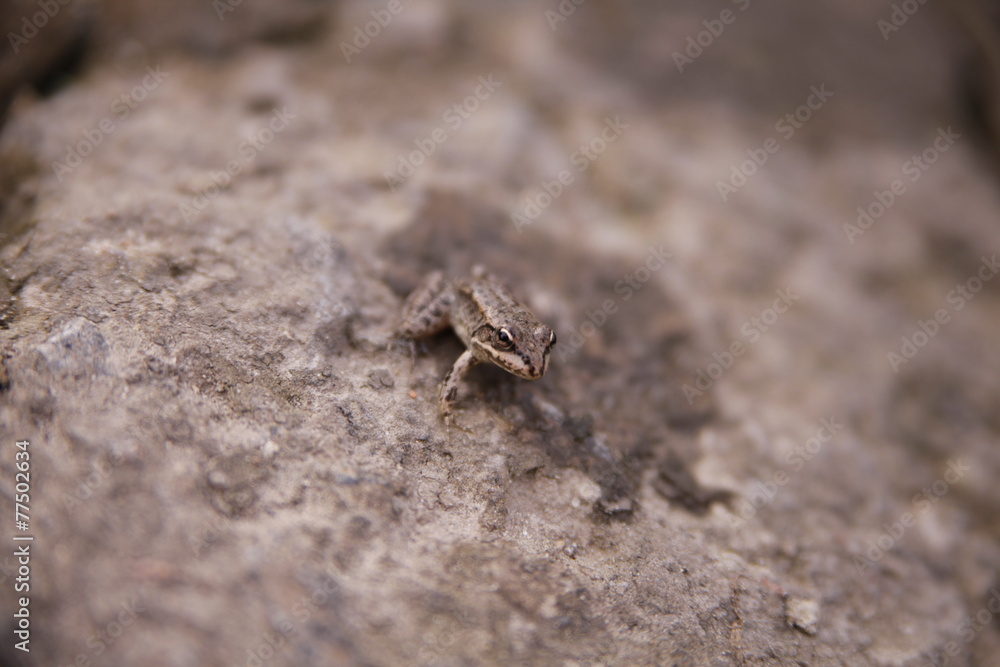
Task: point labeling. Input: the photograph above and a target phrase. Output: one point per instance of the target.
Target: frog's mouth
(516, 363)
(524, 368)
(545, 365)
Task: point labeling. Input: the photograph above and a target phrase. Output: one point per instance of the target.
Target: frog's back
(492, 301)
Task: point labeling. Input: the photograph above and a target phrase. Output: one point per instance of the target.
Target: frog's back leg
(428, 308)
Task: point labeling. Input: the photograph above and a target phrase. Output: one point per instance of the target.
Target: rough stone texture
(233, 456)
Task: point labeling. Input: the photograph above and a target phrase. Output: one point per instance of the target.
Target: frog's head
(519, 349)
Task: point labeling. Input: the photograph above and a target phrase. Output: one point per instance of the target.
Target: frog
(495, 328)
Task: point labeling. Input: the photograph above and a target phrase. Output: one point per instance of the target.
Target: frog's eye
(552, 339)
(504, 338)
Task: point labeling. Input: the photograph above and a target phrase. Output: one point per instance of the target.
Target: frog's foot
(410, 346)
(451, 422)
(447, 403)
(449, 387)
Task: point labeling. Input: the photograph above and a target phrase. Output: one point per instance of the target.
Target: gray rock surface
(235, 462)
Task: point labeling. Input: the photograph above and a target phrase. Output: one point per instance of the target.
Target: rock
(231, 451)
(802, 614)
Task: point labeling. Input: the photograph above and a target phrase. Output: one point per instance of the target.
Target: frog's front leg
(449, 388)
(428, 308)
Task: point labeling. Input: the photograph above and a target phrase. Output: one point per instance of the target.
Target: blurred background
(764, 231)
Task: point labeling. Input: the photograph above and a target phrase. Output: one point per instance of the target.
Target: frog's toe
(451, 422)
